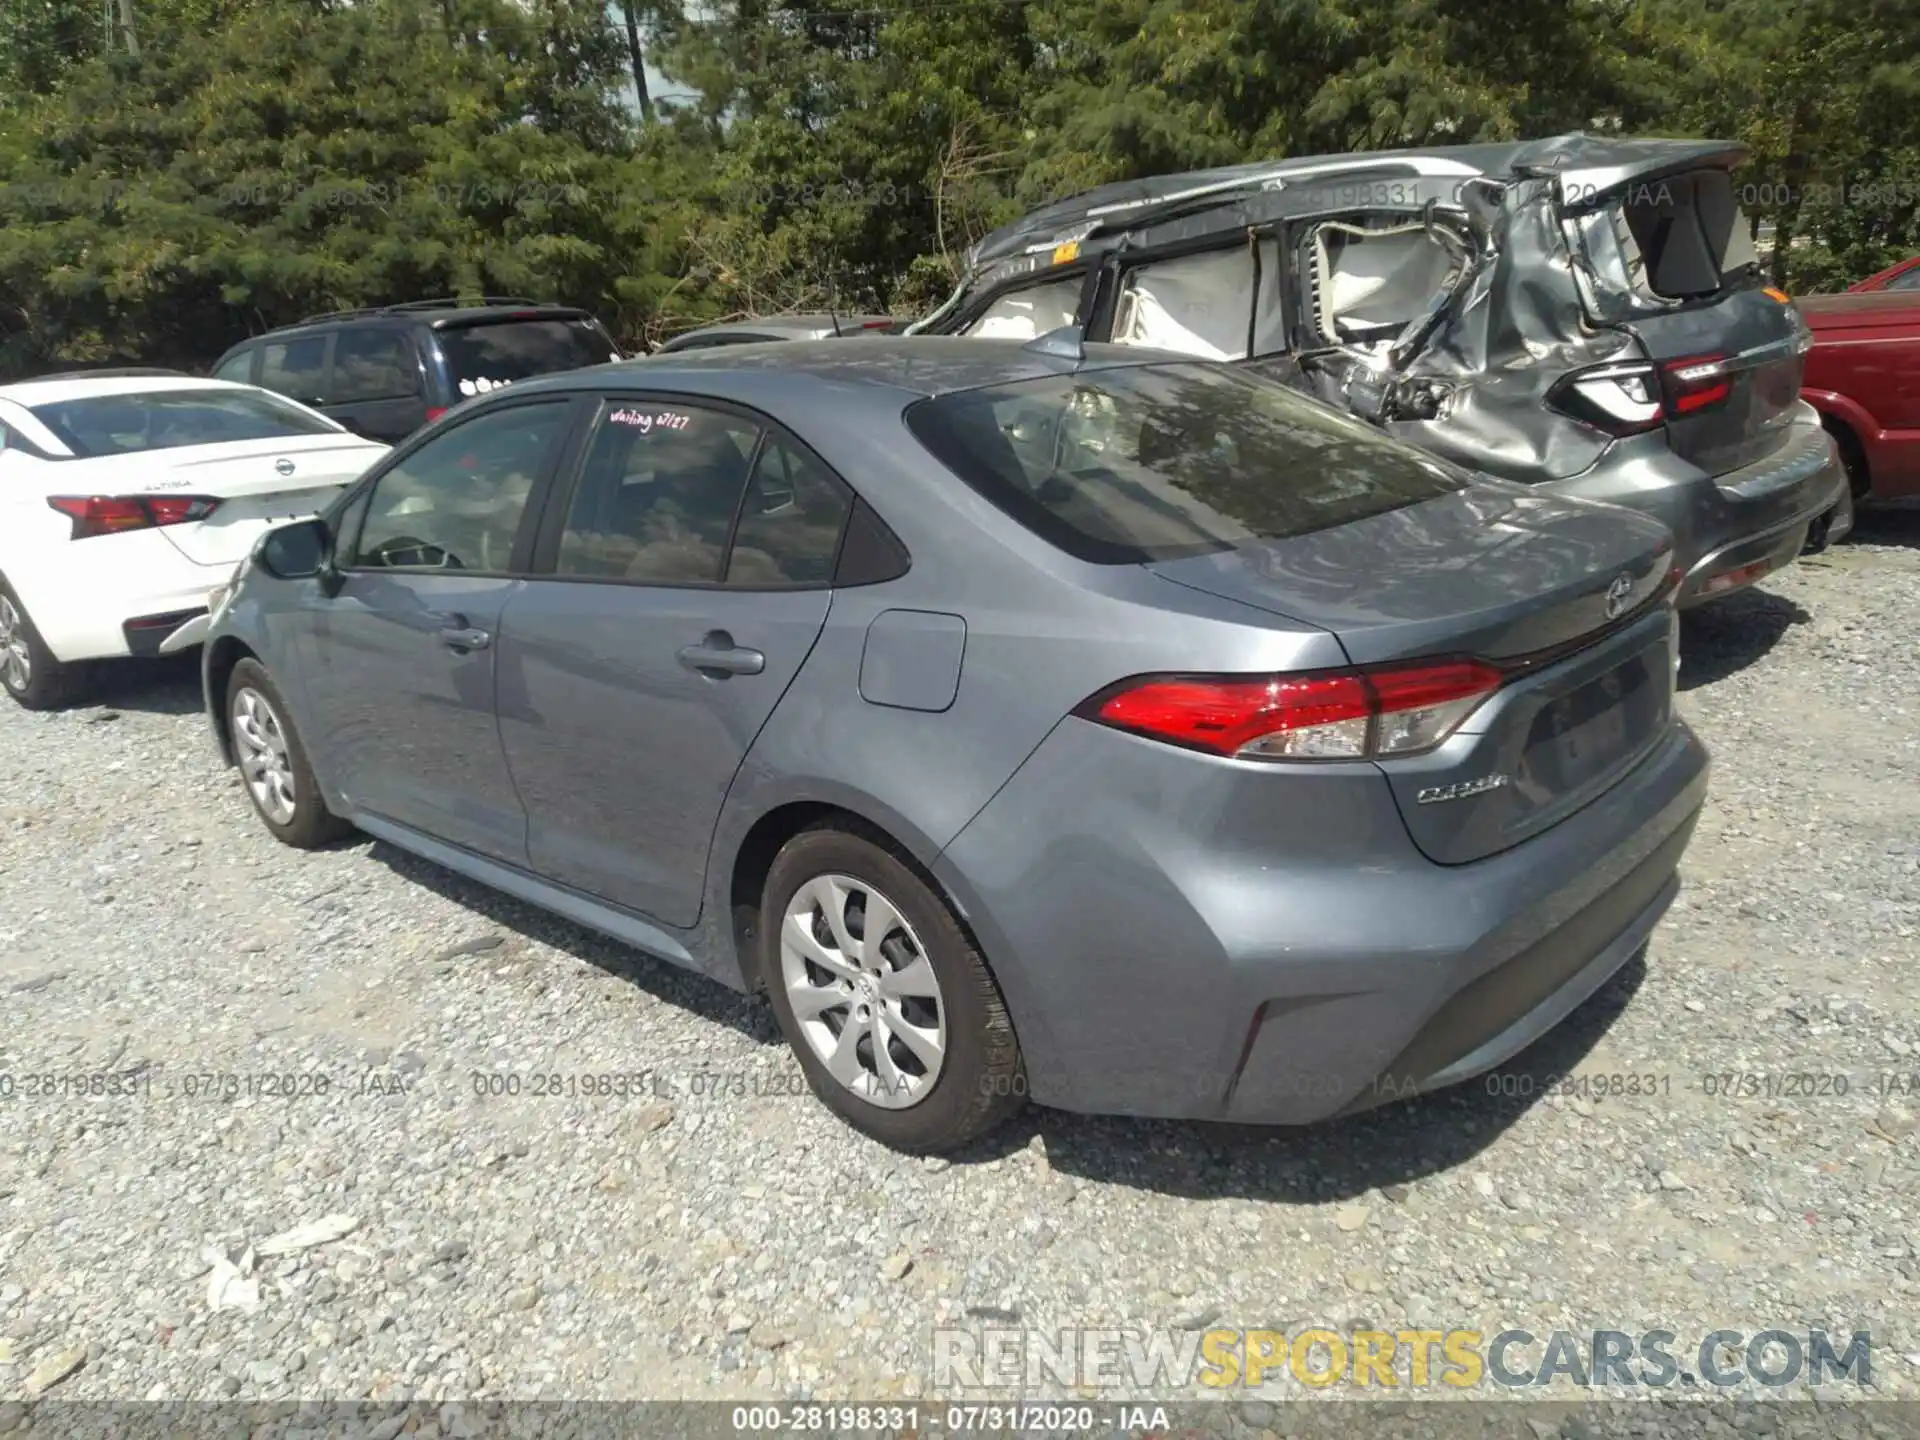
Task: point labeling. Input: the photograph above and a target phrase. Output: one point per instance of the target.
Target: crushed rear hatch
(1664, 254)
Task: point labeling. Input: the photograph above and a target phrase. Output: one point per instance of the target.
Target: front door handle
(717, 656)
(461, 637)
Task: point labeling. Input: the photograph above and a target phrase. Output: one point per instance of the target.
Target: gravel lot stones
(711, 1231)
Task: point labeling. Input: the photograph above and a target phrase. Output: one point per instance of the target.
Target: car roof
(808, 326)
(433, 316)
(54, 389)
(813, 326)
(1591, 163)
(911, 366)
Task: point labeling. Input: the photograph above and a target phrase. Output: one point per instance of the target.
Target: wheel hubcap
(262, 743)
(863, 991)
(16, 661)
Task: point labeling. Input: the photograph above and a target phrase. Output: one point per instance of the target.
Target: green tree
(309, 158)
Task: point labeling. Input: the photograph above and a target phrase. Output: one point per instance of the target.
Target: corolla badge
(1619, 596)
(1434, 794)
(283, 467)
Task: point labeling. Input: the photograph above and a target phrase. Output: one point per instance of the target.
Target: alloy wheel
(862, 990)
(16, 660)
(262, 744)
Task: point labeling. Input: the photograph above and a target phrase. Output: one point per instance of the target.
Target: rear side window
(497, 352)
(373, 365)
(295, 367)
(790, 523)
(1155, 462)
(168, 419)
(1197, 305)
(236, 367)
(657, 494)
(1025, 314)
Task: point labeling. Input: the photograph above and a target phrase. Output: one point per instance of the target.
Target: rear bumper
(111, 580)
(1729, 530)
(1183, 953)
(166, 633)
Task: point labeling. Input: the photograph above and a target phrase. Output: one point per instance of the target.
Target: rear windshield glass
(499, 352)
(1155, 462)
(1683, 237)
(167, 419)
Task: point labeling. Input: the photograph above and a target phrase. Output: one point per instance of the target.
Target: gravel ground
(719, 1234)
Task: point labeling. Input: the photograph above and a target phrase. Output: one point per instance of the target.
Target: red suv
(1863, 376)
(1904, 276)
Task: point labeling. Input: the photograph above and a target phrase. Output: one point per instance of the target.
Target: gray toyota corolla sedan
(1130, 732)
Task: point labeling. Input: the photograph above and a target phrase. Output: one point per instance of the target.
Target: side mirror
(296, 552)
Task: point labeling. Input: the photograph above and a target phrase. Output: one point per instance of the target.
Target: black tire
(980, 1080)
(1854, 458)
(49, 683)
(311, 824)
(1820, 532)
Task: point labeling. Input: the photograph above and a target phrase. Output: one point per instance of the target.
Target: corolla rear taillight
(1337, 715)
(1621, 399)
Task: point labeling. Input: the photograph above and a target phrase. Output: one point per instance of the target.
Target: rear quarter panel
(1043, 632)
(33, 537)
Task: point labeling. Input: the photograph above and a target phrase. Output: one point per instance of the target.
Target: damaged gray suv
(1582, 314)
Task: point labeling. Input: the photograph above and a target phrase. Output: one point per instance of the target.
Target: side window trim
(326, 373)
(545, 558)
(519, 561)
(740, 505)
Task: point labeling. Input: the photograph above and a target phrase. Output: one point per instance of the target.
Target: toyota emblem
(285, 467)
(1619, 595)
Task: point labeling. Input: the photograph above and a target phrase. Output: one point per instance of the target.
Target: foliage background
(238, 164)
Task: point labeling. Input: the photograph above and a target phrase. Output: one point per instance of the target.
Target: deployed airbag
(1027, 314)
(1197, 305)
(1375, 280)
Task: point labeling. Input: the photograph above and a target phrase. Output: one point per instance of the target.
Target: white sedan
(127, 496)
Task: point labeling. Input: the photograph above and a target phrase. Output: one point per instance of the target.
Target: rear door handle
(717, 655)
(458, 637)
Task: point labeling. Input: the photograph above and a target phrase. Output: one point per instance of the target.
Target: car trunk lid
(1730, 373)
(258, 483)
(1568, 599)
(1494, 570)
